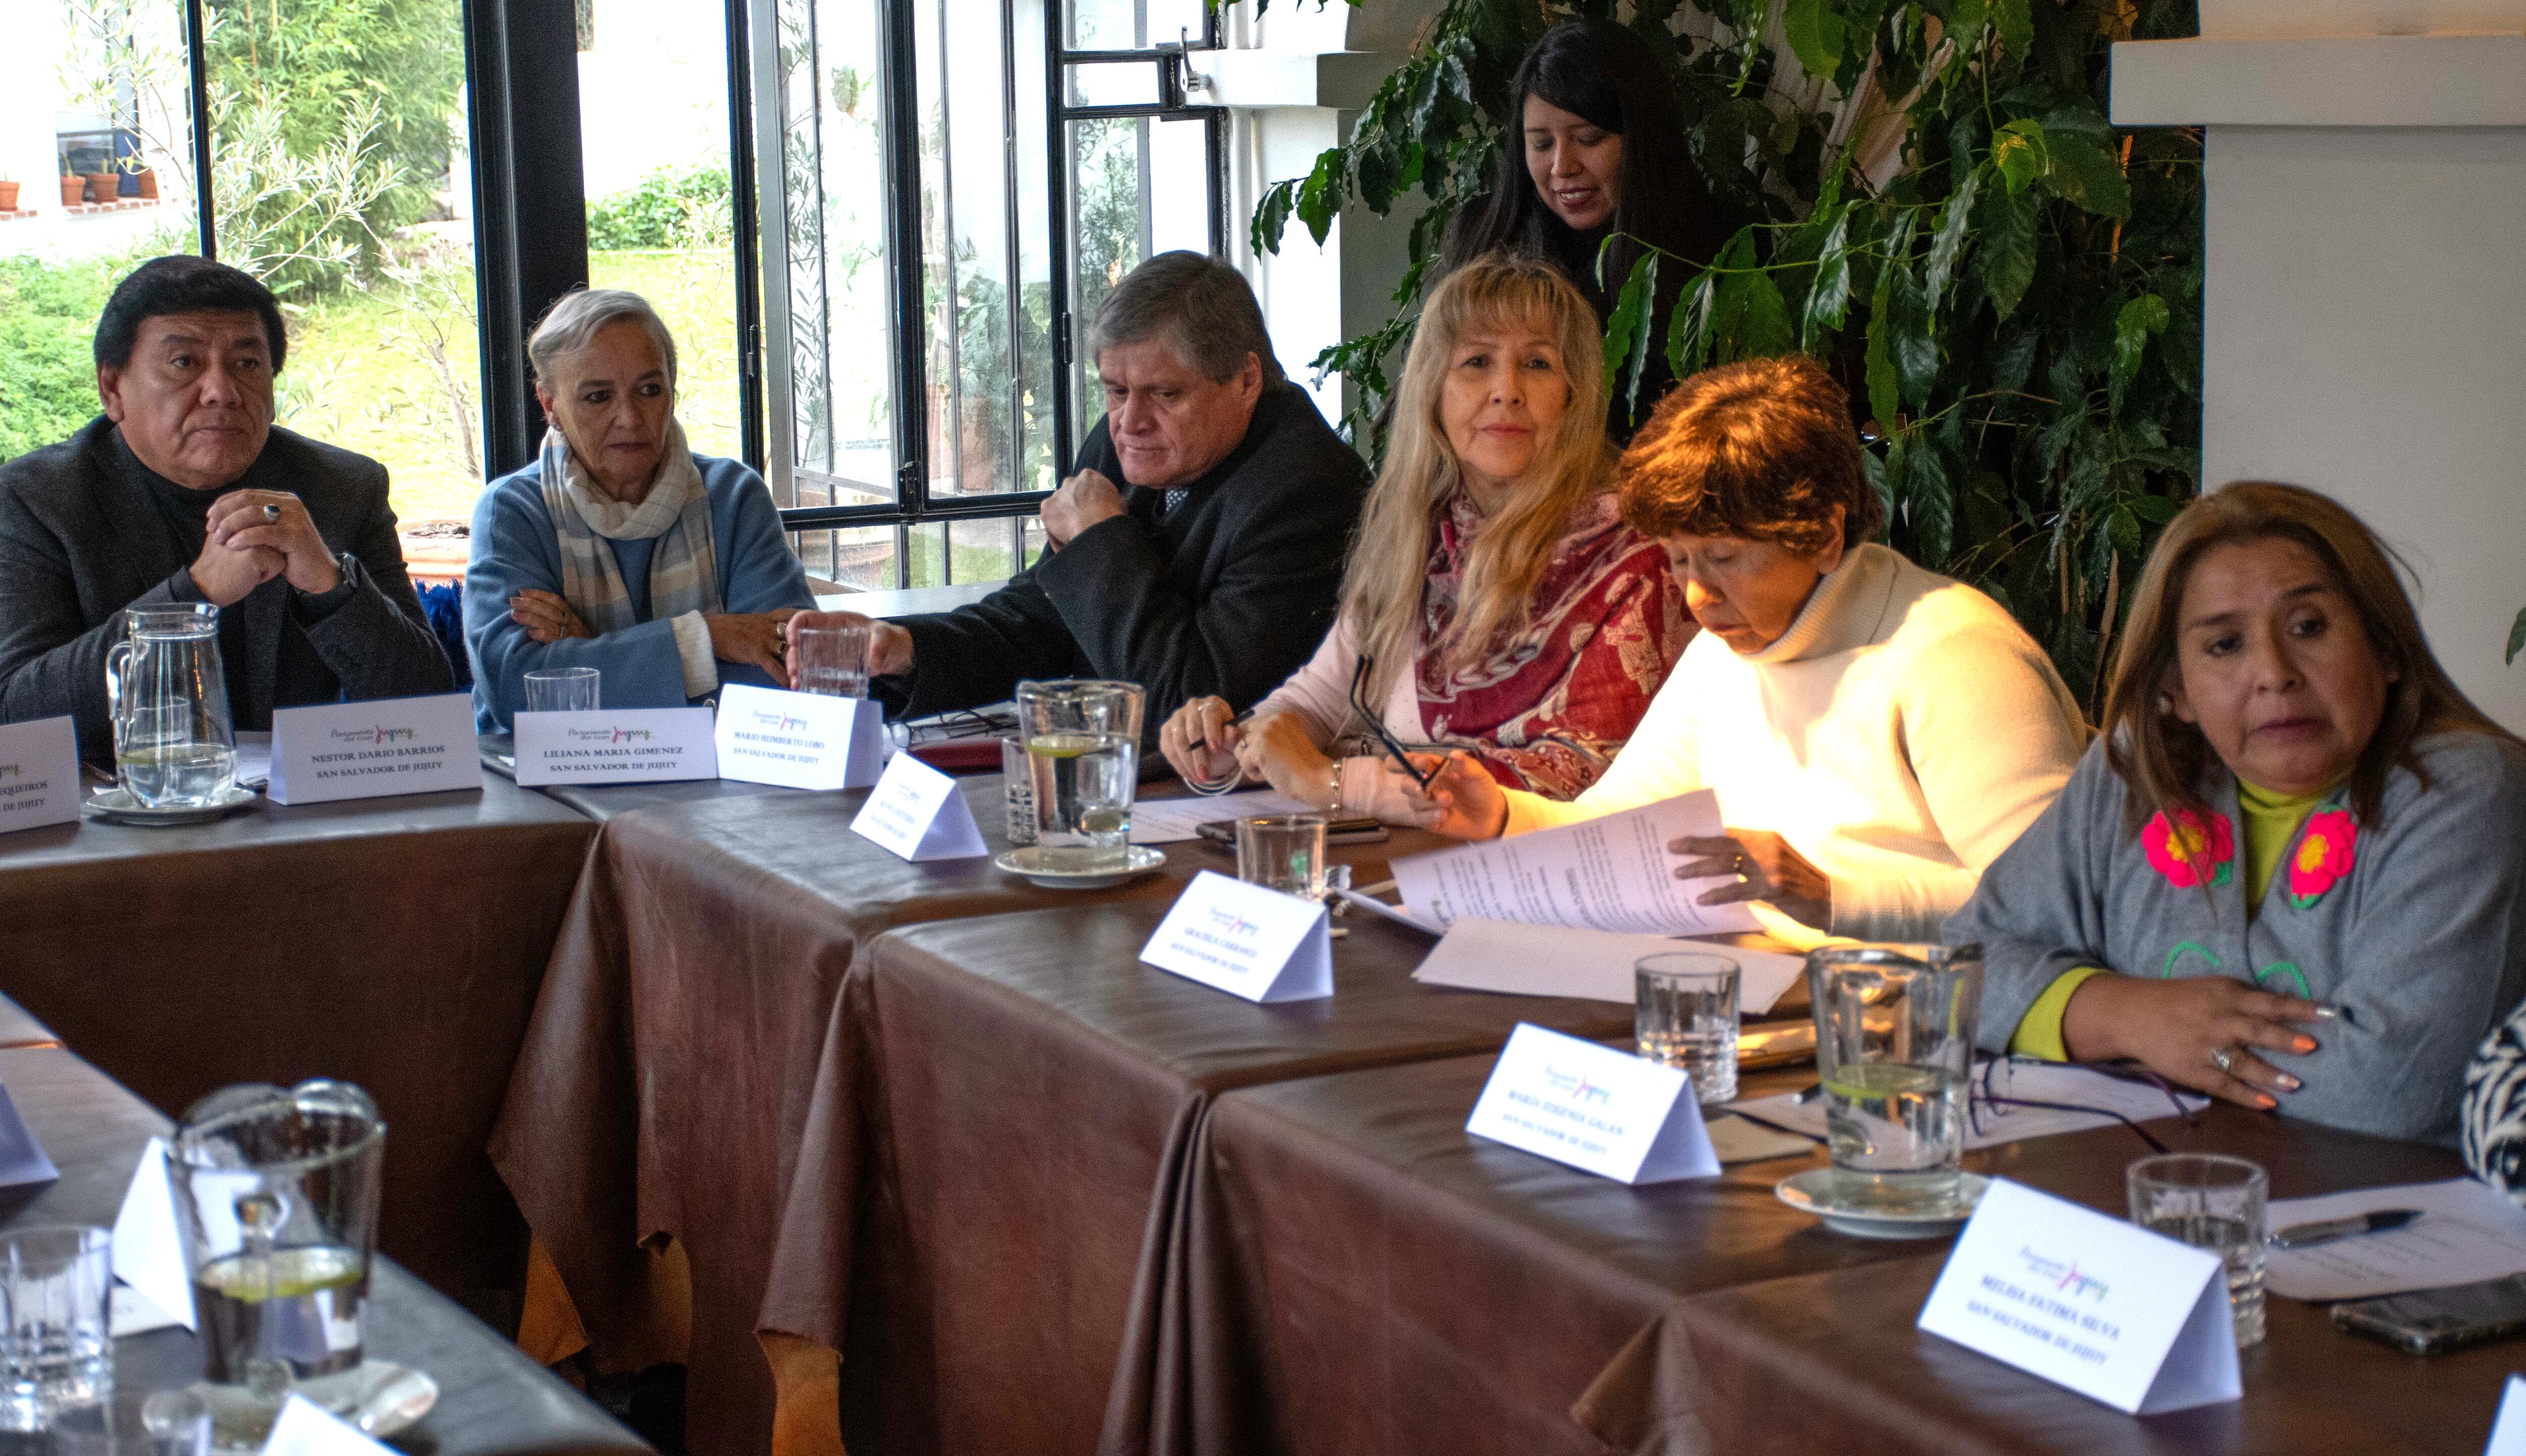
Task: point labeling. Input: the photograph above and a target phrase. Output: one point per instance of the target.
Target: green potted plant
(103, 185)
(73, 186)
(8, 194)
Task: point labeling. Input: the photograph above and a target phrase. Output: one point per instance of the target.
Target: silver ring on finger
(2223, 1057)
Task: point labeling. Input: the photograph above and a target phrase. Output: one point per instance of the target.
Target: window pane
(339, 178)
(859, 559)
(97, 87)
(1133, 24)
(654, 146)
(928, 561)
(984, 550)
(1140, 186)
(829, 300)
(1119, 83)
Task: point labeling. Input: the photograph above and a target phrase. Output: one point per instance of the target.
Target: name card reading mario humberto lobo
(799, 739)
(39, 773)
(374, 749)
(2106, 1308)
(614, 745)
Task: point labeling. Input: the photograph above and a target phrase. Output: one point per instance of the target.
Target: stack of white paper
(1609, 874)
(2467, 1232)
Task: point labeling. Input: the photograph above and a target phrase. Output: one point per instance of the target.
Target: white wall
(2366, 335)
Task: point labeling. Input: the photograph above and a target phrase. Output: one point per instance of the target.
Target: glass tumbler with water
(277, 1194)
(166, 691)
(2215, 1202)
(831, 660)
(54, 1352)
(1282, 852)
(1083, 747)
(1683, 1015)
(562, 690)
(1894, 1046)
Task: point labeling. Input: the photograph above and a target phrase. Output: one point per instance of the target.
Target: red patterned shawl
(1547, 709)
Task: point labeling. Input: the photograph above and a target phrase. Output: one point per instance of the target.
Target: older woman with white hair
(619, 549)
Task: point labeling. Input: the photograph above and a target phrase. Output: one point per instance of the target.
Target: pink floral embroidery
(2324, 855)
(2190, 850)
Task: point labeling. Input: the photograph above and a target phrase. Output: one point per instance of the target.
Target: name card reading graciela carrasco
(1245, 940)
(372, 749)
(610, 745)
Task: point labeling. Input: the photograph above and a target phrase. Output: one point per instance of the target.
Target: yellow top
(2271, 822)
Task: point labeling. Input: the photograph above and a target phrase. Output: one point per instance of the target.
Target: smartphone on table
(1223, 832)
(2434, 1321)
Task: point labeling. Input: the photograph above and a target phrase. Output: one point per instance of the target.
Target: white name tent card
(2508, 1428)
(1609, 874)
(39, 773)
(1245, 940)
(2468, 1231)
(614, 745)
(374, 749)
(1524, 960)
(149, 1251)
(798, 739)
(306, 1428)
(916, 812)
(22, 1159)
(2095, 1304)
(1599, 1110)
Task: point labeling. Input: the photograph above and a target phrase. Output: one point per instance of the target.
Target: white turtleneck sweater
(1899, 735)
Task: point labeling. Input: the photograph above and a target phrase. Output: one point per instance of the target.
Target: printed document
(1609, 874)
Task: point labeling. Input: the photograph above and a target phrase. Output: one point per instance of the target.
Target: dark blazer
(79, 543)
(1230, 594)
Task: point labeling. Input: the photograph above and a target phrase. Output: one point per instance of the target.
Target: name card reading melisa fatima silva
(1599, 1110)
(798, 739)
(1245, 940)
(2086, 1301)
(39, 773)
(374, 748)
(916, 812)
(614, 745)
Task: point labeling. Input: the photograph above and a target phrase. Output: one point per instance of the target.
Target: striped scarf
(684, 569)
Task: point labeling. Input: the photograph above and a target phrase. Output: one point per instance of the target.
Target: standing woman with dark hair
(1594, 153)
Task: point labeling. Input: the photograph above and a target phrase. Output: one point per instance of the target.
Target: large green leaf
(2138, 318)
(1752, 322)
(1829, 296)
(2015, 21)
(2088, 176)
(1815, 35)
(2005, 261)
(1627, 333)
(1949, 240)
(2019, 154)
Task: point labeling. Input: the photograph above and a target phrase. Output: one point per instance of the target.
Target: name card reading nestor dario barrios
(614, 745)
(374, 749)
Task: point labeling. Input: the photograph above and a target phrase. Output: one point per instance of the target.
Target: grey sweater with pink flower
(2415, 925)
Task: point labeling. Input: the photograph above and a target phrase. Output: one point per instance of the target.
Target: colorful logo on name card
(608, 735)
(2190, 848)
(1232, 923)
(1576, 1087)
(2064, 1275)
(11, 771)
(2325, 852)
(779, 722)
(374, 734)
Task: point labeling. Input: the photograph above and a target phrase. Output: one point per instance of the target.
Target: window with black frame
(946, 192)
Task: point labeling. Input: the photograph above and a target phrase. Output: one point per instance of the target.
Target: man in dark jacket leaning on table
(182, 492)
(1198, 549)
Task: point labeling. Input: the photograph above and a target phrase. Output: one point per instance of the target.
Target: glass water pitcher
(174, 747)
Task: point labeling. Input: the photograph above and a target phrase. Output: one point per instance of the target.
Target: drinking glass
(1017, 785)
(277, 1194)
(1683, 1015)
(1282, 852)
(1895, 1044)
(169, 1423)
(166, 694)
(831, 660)
(562, 690)
(2209, 1201)
(1083, 747)
(54, 1351)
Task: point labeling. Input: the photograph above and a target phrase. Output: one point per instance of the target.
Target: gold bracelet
(1333, 805)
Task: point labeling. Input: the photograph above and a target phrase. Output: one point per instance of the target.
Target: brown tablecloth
(987, 1192)
(491, 1399)
(395, 944)
(668, 1075)
(1358, 1272)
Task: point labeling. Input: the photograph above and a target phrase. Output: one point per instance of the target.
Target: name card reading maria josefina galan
(1599, 1110)
(606, 745)
(39, 773)
(374, 749)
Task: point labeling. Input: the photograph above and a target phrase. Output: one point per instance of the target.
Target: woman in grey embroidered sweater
(2290, 873)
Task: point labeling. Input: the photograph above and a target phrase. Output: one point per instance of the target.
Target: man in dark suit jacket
(1217, 573)
(182, 492)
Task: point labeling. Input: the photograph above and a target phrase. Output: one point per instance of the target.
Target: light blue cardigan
(516, 548)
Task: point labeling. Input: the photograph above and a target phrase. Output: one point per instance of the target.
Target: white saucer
(380, 1398)
(1138, 859)
(116, 806)
(1812, 1193)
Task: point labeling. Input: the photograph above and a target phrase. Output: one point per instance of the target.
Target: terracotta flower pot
(147, 177)
(8, 197)
(102, 186)
(73, 190)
